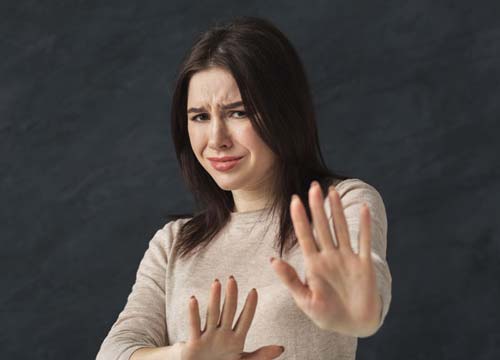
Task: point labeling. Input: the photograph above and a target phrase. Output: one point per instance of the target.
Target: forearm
(171, 352)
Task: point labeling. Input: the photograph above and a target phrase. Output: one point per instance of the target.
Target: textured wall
(407, 97)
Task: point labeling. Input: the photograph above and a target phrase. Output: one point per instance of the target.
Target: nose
(219, 133)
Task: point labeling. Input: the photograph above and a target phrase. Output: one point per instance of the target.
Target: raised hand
(340, 292)
(219, 340)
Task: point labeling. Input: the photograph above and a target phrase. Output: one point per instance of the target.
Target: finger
(302, 227)
(230, 304)
(194, 319)
(365, 237)
(319, 218)
(265, 352)
(245, 319)
(213, 308)
(339, 222)
(289, 277)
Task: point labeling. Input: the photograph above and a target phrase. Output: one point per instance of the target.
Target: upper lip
(225, 158)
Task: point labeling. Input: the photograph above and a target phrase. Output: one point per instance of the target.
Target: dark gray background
(407, 96)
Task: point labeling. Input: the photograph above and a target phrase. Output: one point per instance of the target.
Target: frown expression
(216, 130)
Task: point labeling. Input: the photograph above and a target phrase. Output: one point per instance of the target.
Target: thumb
(288, 276)
(264, 353)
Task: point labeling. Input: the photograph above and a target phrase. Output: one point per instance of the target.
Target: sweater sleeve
(353, 193)
(142, 322)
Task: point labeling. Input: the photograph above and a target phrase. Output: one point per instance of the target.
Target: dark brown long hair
(276, 96)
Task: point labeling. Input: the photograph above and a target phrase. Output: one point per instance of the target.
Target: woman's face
(216, 131)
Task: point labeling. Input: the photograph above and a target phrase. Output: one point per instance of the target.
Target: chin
(227, 184)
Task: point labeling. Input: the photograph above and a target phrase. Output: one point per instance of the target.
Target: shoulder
(167, 233)
(171, 227)
(353, 192)
(354, 187)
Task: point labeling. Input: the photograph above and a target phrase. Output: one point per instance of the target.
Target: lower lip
(224, 165)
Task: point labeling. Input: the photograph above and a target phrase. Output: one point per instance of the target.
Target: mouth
(225, 165)
(225, 158)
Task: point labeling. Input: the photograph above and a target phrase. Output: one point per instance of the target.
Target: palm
(339, 292)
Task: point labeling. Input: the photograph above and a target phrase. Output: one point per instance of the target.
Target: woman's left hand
(340, 292)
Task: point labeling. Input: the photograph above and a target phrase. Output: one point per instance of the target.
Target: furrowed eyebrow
(224, 107)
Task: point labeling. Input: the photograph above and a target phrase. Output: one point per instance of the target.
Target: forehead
(214, 86)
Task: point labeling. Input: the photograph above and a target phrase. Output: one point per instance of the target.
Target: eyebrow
(224, 107)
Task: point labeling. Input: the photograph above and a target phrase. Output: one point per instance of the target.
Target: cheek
(253, 142)
(195, 139)
(249, 138)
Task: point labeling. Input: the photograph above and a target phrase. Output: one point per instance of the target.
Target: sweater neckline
(246, 217)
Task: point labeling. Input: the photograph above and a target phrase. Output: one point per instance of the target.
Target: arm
(142, 323)
(353, 193)
(169, 352)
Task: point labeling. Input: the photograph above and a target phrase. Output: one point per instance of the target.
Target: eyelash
(241, 117)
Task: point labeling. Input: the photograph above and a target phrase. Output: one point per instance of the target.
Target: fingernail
(271, 259)
(282, 349)
(231, 277)
(216, 280)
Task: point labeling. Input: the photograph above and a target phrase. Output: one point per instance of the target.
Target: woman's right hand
(218, 340)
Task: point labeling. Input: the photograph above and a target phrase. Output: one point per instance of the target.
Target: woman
(245, 136)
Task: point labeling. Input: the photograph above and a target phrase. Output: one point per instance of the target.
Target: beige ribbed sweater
(156, 311)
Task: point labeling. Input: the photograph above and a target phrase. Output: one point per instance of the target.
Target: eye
(241, 112)
(194, 118)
